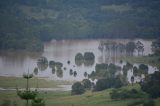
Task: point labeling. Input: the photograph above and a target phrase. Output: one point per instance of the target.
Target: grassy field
(65, 99)
(151, 60)
(12, 82)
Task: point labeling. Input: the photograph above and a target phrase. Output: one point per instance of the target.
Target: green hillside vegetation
(26, 24)
(101, 98)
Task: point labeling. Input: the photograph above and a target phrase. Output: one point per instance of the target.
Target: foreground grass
(151, 60)
(12, 82)
(65, 99)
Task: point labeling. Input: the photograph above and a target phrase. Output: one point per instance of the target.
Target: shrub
(87, 83)
(149, 103)
(151, 84)
(125, 94)
(103, 84)
(77, 88)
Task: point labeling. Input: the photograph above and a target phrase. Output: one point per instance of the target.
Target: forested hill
(24, 24)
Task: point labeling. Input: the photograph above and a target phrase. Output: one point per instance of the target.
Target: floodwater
(15, 63)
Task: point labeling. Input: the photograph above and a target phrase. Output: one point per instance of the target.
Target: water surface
(16, 63)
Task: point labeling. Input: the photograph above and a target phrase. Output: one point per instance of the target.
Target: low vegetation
(151, 84)
(89, 98)
(13, 82)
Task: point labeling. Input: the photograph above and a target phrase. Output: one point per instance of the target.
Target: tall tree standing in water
(156, 46)
(130, 48)
(140, 48)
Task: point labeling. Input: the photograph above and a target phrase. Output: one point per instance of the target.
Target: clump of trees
(124, 94)
(105, 71)
(87, 84)
(42, 63)
(143, 69)
(130, 48)
(123, 49)
(87, 59)
(80, 87)
(151, 84)
(111, 82)
(77, 89)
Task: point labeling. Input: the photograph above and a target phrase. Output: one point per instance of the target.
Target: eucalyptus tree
(140, 47)
(130, 48)
(156, 46)
(121, 48)
(101, 46)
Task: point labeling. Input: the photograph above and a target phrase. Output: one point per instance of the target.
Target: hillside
(101, 98)
(25, 24)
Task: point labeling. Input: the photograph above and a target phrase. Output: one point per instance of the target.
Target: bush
(143, 68)
(149, 103)
(151, 84)
(103, 84)
(77, 88)
(125, 94)
(87, 83)
(38, 102)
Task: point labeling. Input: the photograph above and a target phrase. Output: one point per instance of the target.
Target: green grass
(12, 82)
(101, 98)
(151, 60)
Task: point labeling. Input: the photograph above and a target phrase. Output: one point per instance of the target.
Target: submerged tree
(42, 63)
